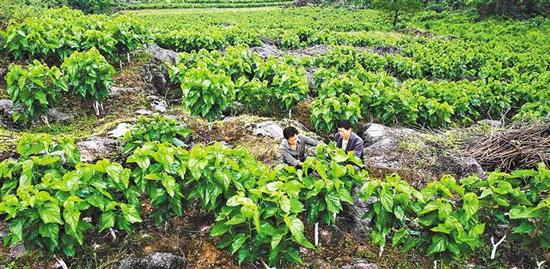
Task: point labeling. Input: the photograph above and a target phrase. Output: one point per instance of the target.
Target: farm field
(154, 131)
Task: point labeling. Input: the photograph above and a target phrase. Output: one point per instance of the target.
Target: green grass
(207, 5)
(176, 11)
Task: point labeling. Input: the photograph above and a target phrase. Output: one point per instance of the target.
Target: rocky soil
(418, 155)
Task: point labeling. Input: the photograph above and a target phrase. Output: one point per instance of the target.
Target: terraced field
(155, 131)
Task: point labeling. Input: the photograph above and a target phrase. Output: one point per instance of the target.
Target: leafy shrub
(328, 178)
(451, 227)
(510, 8)
(397, 200)
(326, 112)
(154, 128)
(159, 173)
(263, 223)
(34, 89)
(341, 58)
(276, 87)
(47, 199)
(205, 93)
(129, 33)
(217, 172)
(404, 68)
(57, 33)
(89, 75)
(450, 217)
(290, 40)
(95, 6)
(516, 204)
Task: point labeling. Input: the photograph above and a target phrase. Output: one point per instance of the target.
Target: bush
(327, 111)
(33, 89)
(513, 8)
(154, 128)
(205, 93)
(89, 75)
(447, 217)
(47, 198)
(96, 6)
(57, 33)
(275, 88)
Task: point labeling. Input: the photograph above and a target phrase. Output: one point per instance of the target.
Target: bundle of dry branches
(522, 145)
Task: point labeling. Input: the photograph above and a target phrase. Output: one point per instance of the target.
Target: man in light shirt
(348, 140)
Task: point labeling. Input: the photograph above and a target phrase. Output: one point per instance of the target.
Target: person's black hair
(346, 124)
(289, 132)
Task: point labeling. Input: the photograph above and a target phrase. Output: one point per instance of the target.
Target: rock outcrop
(155, 260)
(414, 155)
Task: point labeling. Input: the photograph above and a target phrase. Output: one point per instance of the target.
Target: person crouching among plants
(293, 147)
(348, 140)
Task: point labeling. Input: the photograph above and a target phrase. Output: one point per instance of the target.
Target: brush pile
(521, 145)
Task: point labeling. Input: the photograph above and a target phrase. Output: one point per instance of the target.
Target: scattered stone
(3, 229)
(155, 261)
(157, 103)
(300, 3)
(357, 210)
(120, 130)
(492, 123)
(360, 264)
(155, 73)
(311, 51)
(17, 250)
(268, 128)
(6, 112)
(6, 106)
(54, 115)
(384, 50)
(96, 148)
(162, 54)
(144, 112)
(3, 71)
(117, 91)
(274, 129)
(266, 50)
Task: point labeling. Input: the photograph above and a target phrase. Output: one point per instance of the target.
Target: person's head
(291, 135)
(344, 128)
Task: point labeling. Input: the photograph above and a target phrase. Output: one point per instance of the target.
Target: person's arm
(358, 147)
(310, 141)
(336, 139)
(287, 158)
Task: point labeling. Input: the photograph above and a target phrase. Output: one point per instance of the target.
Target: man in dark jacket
(348, 140)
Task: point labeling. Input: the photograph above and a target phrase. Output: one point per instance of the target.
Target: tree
(96, 6)
(397, 8)
(519, 9)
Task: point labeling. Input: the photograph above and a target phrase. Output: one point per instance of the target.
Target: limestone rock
(96, 148)
(157, 103)
(55, 115)
(116, 91)
(274, 128)
(413, 154)
(155, 260)
(6, 112)
(360, 264)
(120, 130)
(163, 55)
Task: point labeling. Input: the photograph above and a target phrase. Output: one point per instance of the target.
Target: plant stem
(494, 251)
(317, 233)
